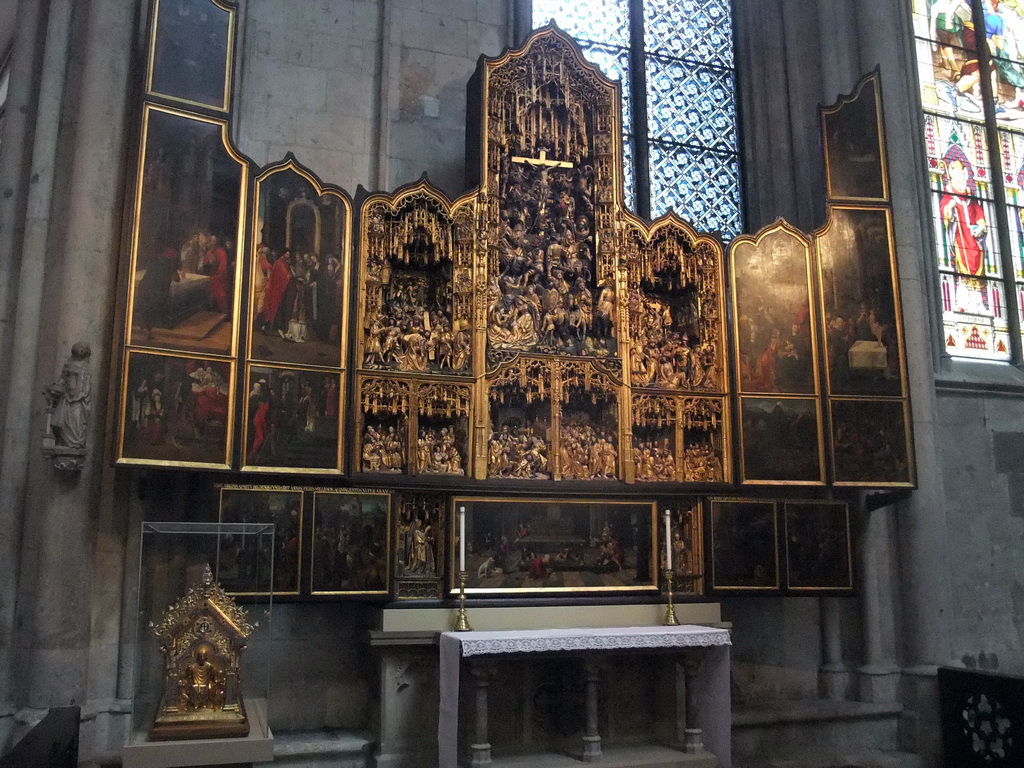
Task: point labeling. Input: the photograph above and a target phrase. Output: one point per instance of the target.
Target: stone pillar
(591, 733)
(886, 37)
(879, 677)
(19, 393)
(693, 741)
(481, 746)
(63, 515)
(833, 675)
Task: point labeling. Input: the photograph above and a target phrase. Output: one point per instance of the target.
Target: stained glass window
(687, 77)
(975, 156)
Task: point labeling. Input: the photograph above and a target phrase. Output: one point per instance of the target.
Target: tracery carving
(549, 210)
(383, 441)
(442, 444)
(416, 310)
(676, 322)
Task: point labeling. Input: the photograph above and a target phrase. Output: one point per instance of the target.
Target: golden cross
(542, 160)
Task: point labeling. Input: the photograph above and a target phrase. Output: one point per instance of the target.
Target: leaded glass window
(973, 97)
(677, 55)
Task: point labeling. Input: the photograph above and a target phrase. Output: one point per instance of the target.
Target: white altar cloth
(714, 717)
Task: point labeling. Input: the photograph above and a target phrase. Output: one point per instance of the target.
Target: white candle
(462, 539)
(668, 541)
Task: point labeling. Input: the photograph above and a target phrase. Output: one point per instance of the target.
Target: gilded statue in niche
(520, 404)
(442, 428)
(674, 307)
(383, 442)
(549, 203)
(588, 423)
(678, 439)
(416, 307)
(202, 637)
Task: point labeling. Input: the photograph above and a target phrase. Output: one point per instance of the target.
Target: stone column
(481, 746)
(886, 36)
(64, 516)
(879, 677)
(591, 733)
(833, 675)
(19, 393)
(693, 741)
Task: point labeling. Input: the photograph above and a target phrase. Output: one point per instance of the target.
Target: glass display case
(202, 655)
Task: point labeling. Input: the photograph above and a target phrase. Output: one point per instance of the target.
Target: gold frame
(754, 241)
(818, 235)
(786, 503)
(266, 489)
(874, 79)
(394, 201)
(908, 433)
(821, 442)
(269, 468)
(147, 110)
(388, 548)
(345, 252)
(773, 503)
(680, 400)
(229, 430)
(452, 580)
(228, 64)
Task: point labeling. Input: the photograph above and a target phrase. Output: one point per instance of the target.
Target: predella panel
(244, 561)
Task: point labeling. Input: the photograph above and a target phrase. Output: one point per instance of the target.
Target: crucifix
(542, 161)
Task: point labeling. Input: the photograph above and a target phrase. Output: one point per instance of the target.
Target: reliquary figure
(202, 637)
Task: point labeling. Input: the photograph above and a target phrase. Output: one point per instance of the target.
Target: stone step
(323, 749)
(794, 734)
(860, 759)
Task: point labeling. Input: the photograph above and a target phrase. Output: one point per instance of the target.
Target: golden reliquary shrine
(530, 354)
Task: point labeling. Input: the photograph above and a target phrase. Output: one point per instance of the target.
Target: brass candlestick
(461, 622)
(670, 610)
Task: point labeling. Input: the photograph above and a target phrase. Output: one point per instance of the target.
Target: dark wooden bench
(53, 743)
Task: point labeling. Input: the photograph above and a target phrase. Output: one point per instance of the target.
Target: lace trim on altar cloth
(593, 640)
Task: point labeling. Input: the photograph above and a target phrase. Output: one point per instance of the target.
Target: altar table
(710, 681)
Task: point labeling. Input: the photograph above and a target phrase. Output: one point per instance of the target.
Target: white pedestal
(257, 747)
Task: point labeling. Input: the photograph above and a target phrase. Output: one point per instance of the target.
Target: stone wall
(364, 92)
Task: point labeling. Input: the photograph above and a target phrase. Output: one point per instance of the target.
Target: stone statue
(68, 407)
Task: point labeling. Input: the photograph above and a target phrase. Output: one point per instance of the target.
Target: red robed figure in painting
(216, 265)
(280, 276)
(962, 214)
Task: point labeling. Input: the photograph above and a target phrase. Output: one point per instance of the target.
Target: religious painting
(299, 273)
(679, 439)
(686, 532)
(419, 545)
(176, 410)
(772, 312)
(442, 429)
(744, 545)
(781, 439)
(383, 429)
(519, 444)
(675, 307)
(416, 285)
(863, 326)
(818, 545)
(192, 49)
(524, 545)
(241, 571)
(292, 419)
(350, 542)
(855, 161)
(871, 443)
(189, 206)
(551, 141)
